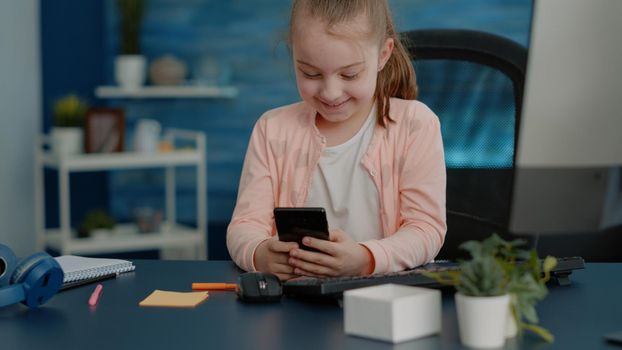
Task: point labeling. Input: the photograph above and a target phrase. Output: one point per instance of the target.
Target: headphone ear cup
(8, 260)
(25, 264)
(41, 277)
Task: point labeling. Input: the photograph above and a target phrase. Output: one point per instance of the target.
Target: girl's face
(336, 74)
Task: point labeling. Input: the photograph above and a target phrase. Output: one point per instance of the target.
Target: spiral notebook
(78, 268)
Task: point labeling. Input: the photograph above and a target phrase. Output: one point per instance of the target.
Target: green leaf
(543, 333)
(529, 312)
(548, 265)
(444, 277)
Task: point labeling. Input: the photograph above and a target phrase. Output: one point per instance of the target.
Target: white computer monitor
(569, 146)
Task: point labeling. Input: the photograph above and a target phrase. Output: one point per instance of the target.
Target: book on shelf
(78, 268)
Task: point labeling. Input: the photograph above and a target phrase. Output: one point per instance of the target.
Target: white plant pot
(101, 233)
(482, 320)
(130, 71)
(67, 141)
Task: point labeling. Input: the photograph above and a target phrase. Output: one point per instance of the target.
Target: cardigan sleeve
(251, 222)
(422, 192)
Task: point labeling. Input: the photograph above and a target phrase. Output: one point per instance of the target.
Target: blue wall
(247, 38)
(72, 49)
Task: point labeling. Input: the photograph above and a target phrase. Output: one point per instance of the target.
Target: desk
(578, 315)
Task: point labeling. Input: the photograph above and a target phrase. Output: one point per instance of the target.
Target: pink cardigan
(405, 160)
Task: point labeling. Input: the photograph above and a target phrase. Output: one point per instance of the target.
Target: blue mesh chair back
(474, 82)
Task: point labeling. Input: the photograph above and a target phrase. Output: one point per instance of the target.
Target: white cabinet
(125, 237)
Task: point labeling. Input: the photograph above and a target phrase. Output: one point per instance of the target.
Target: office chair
(474, 82)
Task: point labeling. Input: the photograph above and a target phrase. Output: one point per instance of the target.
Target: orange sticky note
(174, 299)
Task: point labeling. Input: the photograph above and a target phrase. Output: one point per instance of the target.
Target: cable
(479, 219)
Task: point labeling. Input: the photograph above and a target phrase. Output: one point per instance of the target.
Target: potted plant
(497, 290)
(67, 135)
(130, 64)
(96, 222)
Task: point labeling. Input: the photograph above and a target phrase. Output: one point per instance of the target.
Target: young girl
(358, 145)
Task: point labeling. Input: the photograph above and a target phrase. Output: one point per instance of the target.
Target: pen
(214, 286)
(96, 294)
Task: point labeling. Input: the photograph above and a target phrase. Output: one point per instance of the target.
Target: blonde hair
(397, 78)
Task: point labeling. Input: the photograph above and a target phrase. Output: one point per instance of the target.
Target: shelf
(126, 238)
(187, 91)
(122, 160)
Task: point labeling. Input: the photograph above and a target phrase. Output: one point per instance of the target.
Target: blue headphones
(31, 281)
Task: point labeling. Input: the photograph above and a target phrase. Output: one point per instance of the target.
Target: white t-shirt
(345, 189)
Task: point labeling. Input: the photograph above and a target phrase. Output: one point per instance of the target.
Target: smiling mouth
(334, 105)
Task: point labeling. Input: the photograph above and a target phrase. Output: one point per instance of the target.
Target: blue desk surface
(578, 315)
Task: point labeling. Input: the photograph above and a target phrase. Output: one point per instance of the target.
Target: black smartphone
(292, 224)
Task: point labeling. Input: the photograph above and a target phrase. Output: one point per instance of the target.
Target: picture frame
(104, 130)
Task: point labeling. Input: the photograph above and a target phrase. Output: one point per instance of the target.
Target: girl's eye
(310, 75)
(350, 76)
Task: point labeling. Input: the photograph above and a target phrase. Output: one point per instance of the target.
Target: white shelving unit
(125, 237)
(184, 91)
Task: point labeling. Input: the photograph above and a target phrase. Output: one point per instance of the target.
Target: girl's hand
(271, 256)
(341, 256)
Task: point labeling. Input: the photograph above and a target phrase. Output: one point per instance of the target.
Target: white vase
(67, 141)
(130, 71)
(147, 136)
(482, 320)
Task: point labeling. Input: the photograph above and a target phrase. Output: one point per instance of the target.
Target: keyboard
(308, 287)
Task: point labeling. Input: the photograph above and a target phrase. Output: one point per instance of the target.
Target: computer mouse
(259, 287)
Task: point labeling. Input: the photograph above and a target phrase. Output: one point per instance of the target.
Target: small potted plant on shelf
(67, 135)
(497, 290)
(96, 222)
(130, 64)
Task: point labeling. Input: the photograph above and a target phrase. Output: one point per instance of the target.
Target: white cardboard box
(391, 312)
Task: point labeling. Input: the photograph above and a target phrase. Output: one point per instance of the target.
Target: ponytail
(396, 79)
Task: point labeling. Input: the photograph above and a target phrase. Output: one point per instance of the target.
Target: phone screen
(292, 224)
